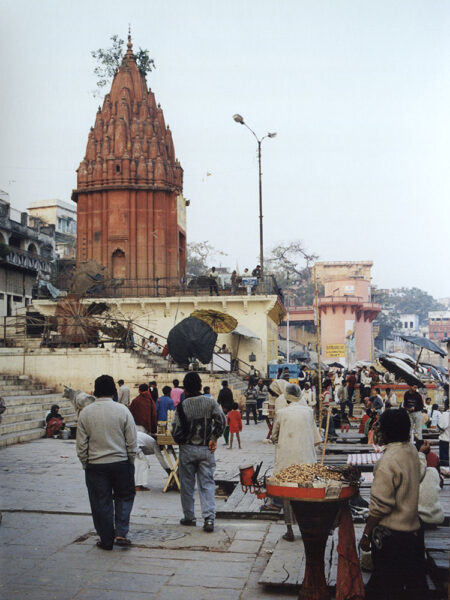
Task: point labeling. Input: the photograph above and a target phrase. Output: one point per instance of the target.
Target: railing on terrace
(166, 286)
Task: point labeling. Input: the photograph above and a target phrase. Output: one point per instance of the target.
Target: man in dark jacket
(413, 403)
(225, 398)
(198, 423)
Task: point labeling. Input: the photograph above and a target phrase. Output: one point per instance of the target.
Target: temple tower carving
(130, 208)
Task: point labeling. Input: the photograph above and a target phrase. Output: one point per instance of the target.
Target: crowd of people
(405, 493)
(246, 281)
(114, 438)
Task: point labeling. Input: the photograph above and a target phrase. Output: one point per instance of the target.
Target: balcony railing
(28, 261)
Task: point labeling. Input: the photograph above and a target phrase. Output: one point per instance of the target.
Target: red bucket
(246, 474)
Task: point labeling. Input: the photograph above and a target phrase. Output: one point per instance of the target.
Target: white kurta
(308, 397)
(141, 464)
(295, 434)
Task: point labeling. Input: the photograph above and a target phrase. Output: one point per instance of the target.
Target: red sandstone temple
(131, 212)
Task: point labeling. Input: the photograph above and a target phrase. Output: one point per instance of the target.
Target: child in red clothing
(234, 421)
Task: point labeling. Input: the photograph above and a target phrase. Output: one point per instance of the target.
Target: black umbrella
(423, 342)
(191, 338)
(335, 364)
(400, 369)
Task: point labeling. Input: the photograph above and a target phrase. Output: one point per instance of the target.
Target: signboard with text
(335, 350)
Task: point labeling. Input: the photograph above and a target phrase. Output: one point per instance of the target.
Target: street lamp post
(240, 119)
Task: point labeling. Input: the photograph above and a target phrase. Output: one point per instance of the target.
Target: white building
(409, 324)
(63, 215)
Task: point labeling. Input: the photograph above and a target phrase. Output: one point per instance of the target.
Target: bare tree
(292, 266)
(198, 255)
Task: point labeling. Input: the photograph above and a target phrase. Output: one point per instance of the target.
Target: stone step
(16, 438)
(21, 427)
(11, 392)
(25, 426)
(29, 413)
(7, 388)
(45, 399)
(18, 408)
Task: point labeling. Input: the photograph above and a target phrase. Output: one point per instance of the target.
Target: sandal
(122, 541)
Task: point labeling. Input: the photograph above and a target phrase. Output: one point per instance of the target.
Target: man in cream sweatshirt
(392, 530)
(106, 447)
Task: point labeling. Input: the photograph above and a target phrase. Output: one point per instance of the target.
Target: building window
(406, 325)
(411, 324)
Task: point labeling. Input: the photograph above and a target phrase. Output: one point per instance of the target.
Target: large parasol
(400, 369)
(423, 343)
(218, 321)
(191, 338)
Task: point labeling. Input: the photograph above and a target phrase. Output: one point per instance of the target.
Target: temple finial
(129, 44)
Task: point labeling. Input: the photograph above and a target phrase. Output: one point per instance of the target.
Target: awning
(245, 332)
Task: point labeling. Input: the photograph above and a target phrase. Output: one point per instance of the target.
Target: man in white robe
(308, 396)
(295, 436)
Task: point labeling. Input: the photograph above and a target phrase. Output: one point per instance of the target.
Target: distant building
(410, 324)
(346, 310)
(26, 256)
(64, 217)
(439, 324)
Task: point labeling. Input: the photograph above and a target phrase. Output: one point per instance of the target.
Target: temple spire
(129, 43)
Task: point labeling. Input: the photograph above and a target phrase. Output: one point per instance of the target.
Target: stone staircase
(27, 404)
(159, 365)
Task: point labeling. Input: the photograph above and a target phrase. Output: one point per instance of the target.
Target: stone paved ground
(47, 543)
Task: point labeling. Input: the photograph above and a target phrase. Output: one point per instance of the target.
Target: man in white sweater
(106, 447)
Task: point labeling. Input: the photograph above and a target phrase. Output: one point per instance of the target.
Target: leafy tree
(110, 59)
(398, 301)
(388, 322)
(413, 300)
(198, 255)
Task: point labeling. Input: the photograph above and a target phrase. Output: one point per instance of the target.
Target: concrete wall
(159, 315)
(78, 368)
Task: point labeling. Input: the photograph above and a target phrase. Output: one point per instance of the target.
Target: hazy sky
(358, 92)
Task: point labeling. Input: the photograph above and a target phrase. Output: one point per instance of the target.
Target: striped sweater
(205, 421)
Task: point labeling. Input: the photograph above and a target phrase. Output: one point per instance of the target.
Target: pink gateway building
(346, 311)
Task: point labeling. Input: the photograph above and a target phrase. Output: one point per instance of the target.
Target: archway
(119, 267)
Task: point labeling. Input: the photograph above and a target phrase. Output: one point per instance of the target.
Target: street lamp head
(238, 119)
(272, 135)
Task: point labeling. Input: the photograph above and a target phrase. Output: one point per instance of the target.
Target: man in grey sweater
(106, 447)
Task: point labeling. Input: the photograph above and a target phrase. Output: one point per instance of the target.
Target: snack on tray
(315, 475)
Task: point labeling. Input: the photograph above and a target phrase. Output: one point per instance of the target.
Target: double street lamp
(240, 119)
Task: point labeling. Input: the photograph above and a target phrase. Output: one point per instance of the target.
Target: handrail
(169, 286)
